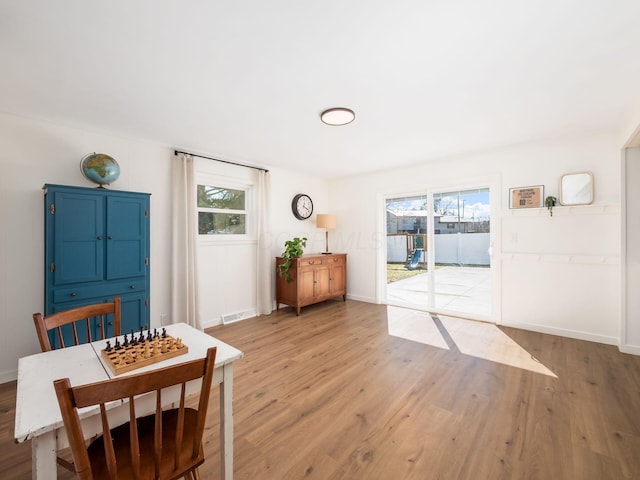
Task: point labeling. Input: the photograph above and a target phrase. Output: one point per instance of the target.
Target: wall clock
(302, 206)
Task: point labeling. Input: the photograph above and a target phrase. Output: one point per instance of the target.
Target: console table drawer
(310, 261)
(336, 259)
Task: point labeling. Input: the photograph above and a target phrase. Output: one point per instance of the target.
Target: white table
(38, 415)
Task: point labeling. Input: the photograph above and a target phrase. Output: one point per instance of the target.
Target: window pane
(466, 211)
(218, 197)
(407, 214)
(221, 223)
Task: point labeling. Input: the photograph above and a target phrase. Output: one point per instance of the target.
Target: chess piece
(126, 341)
(146, 353)
(118, 346)
(164, 333)
(108, 348)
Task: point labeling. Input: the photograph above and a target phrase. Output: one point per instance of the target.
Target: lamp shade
(325, 220)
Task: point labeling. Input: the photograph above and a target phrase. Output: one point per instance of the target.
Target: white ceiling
(246, 80)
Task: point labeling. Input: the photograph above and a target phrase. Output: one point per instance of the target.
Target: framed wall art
(526, 197)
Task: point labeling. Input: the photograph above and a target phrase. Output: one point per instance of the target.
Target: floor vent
(234, 317)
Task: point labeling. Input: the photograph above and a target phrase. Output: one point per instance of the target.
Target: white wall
(227, 276)
(228, 264)
(558, 274)
(630, 334)
(284, 226)
(34, 153)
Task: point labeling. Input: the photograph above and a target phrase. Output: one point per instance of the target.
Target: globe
(100, 168)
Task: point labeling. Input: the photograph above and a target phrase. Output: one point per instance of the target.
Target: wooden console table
(314, 278)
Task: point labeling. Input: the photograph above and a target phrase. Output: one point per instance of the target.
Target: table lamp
(326, 221)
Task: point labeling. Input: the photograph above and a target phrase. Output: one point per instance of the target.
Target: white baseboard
(562, 332)
(210, 323)
(632, 349)
(9, 376)
(361, 299)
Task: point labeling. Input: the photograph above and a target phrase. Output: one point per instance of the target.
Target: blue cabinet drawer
(70, 294)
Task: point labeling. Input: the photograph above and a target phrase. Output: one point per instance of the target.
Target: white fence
(457, 248)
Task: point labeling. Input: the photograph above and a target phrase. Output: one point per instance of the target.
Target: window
(221, 210)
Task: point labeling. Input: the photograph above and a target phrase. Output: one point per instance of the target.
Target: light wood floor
(331, 395)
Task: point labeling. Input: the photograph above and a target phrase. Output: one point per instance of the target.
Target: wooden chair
(164, 445)
(71, 320)
(77, 316)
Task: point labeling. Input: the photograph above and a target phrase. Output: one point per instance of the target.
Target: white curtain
(264, 267)
(184, 273)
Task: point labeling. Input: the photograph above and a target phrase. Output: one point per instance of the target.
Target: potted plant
(550, 202)
(292, 249)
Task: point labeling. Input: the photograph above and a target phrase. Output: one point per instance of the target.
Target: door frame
(495, 198)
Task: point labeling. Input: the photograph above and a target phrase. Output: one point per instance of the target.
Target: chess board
(126, 356)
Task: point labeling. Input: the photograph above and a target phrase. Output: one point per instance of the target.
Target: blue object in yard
(413, 264)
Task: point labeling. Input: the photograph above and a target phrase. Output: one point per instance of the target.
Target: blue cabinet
(97, 247)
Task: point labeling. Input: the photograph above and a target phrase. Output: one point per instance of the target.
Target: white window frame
(249, 211)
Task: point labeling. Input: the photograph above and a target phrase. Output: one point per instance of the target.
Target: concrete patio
(458, 289)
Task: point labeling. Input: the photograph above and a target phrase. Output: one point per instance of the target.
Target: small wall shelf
(561, 210)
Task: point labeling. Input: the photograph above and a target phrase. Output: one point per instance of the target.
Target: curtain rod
(176, 152)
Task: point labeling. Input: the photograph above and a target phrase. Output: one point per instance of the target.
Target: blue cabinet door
(127, 227)
(77, 223)
(134, 312)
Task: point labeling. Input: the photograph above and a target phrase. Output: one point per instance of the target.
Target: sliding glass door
(439, 251)
(462, 239)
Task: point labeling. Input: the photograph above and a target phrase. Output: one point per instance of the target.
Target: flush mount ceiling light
(337, 116)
